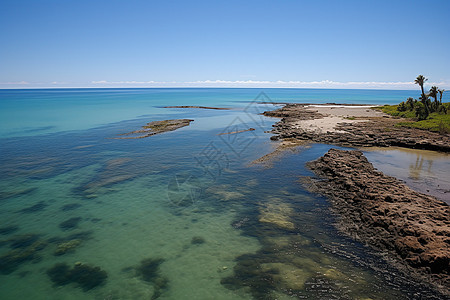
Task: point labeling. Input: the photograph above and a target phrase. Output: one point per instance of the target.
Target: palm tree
(441, 92)
(420, 80)
(434, 93)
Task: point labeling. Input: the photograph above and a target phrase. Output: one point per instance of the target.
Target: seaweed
(159, 285)
(149, 268)
(70, 224)
(70, 206)
(85, 276)
(11, 194)
(10, 261)
(83, 236)
(197, 240)
(8, 229)
(22, 241)
(88, 277)
(34, 208)
(59, 274)
(149, 271)
(248, 273)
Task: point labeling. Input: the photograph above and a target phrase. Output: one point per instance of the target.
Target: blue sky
(337, 44)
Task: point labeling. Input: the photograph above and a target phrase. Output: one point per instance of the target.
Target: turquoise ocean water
(181, 215)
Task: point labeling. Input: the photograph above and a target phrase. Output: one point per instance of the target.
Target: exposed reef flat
(238, 131)
(202, 107)
(267, 160)
(357, 126)
(411, 228)
(156, 127)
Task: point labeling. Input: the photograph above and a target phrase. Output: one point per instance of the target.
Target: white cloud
(326, 84)
(15, 83)
(271, 84)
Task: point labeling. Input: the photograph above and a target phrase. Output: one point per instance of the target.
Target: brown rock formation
(381, 211)
(156, 127)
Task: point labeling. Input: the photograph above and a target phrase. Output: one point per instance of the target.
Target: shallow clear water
(424, 171)
(181, 215)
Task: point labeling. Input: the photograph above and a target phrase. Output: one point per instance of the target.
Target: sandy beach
(333, 115)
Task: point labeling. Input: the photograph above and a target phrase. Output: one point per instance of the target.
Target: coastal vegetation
(429, 112)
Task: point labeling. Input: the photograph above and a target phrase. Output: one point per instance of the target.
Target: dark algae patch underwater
(149, 271)
(85, 276)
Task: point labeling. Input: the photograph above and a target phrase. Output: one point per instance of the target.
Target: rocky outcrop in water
(156, 127)
(382, 212)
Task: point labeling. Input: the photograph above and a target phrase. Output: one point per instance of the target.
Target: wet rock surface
(411, 229)
(375, 131)
(156, 127)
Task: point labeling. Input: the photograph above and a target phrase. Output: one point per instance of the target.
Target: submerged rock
(277, 214)
(287, 276)
(66, 247)
(197, 240)
(22, 241)
(8, 229)
(70, 206)
(17, 192)
(70, 224)
(85, 276)
(114, 171)
(83, 236)
(34, 208)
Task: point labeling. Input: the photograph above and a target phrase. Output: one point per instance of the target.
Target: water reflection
(427, 171)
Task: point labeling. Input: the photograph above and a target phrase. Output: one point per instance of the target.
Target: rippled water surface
(181, 215)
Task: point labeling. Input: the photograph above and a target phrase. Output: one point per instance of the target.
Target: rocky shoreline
(408, 229)
(357, 131)
(411, 229)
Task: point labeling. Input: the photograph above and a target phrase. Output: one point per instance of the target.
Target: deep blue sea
(180, 215)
